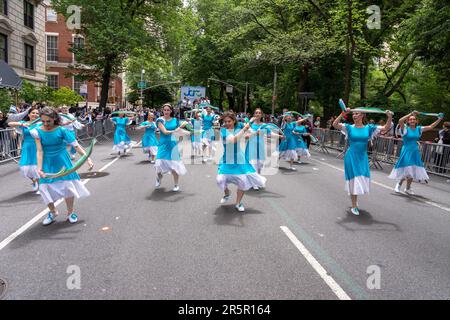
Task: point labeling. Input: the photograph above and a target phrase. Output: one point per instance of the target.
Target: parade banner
(192, 93)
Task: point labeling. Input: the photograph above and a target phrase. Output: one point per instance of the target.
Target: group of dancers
(48, 143)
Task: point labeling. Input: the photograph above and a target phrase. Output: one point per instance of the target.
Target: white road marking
(334, 286)
(431, 203)
(43, 213)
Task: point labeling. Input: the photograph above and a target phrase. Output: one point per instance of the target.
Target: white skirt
(414, 172)
(289, 155)
(244, 182)
(257, 164)
(167, 166)
(30, 172)
(303, 153)
(358, 186)
(122, 147)
(153, 151)
(52, 192)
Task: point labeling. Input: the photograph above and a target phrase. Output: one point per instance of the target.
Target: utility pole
(142, 87)
(274, 96)
(246, 98)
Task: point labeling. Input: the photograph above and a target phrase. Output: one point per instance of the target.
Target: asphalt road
(297, 239)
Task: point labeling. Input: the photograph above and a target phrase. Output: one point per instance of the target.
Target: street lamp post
(142, 87)
(274, 97)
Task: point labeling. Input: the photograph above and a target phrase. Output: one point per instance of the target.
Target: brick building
(59, 40)
(22, 38)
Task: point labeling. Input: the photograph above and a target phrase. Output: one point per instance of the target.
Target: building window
(29, 57)
(77, 84)
(52, 15)
(4, 7)
(52, 81)
(28, 14)
(52, 48)
(3, 47)
(78, 43)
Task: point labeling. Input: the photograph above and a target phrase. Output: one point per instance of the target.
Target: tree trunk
(221, 97)
(351, 45)
(302, 86)
(106, 78)
(364, 72)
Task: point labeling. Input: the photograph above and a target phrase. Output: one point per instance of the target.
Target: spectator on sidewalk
(442, 157)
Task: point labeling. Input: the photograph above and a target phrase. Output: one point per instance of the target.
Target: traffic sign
(141, 84)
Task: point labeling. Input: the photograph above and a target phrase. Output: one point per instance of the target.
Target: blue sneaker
(51, 217)
(355, 211)
(73, 218)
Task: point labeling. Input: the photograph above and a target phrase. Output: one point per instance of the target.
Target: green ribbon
(65, 172)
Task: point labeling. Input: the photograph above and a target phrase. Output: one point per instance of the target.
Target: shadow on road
(143, 162)
(229, 216)
(93, 175)
(354, 223)
(263, 193)
(59, 230)
(24, 198)
(417, 199)
(168, 195)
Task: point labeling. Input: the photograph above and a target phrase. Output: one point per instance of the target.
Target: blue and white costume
(410, 164)
(234, 167)
(356, 160)
(122, 141)
(302, 148)
(288, 147)
(28, 159)
(196, 136)
(208, 129)
(71, 124)
(168, 158)
(149, 141)
(55, 158)
(255, 150)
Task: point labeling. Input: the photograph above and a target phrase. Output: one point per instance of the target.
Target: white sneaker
(240, 207)
(158, 183)
(35, 186)
(73, 218)
(397, 188)
(355, 211)
(225, 199)
(51, 217)
(293, 169)
(410, 192)
(256, 188)
(176, 189)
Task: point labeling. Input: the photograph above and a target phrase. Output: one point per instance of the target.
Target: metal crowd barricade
(436, 158)
(9, 145)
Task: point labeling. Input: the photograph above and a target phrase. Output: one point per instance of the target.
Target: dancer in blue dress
(52, 156)
(234, 167)
(28, 159)
(410, 166)
(208, 135)
(356, 161)
(149, 140)
(122, 142)
(70, 122)
(300, 132)
(196, 136)
(168, 159)
(288, 147)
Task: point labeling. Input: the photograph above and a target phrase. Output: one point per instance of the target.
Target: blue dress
(208, 122)
(196, 136)
(149, 139)
(410, 164)
(356, 160)
(288, 147)
(28, 158)
(302, 147)
(55, 158)
(256, 145)
(234, 167)
(121, 138)
(168, 157)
